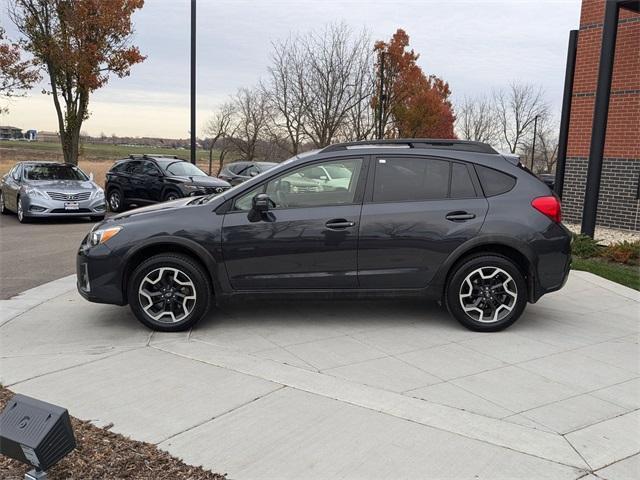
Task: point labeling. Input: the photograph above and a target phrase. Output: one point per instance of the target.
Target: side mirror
(91, 176)
(324, 177)
(261, 202)
(253, 174)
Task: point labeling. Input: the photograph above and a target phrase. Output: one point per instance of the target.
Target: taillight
(549, 206)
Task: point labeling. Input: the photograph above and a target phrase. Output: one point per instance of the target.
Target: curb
(25, 301)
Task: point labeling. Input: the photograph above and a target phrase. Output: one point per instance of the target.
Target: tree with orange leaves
(413, 104)
(79, 43)
(16, 74)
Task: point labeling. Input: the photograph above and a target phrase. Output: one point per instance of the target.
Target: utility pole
(381, 98)
(193, 81)
(533, 146)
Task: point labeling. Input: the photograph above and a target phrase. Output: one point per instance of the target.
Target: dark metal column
(565, 117)
(600, 114)
(193, 82)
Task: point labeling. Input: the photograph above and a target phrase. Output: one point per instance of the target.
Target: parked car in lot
(549, 179)
(441, 219)
(50, 189)
(145, 179)
(238, 172)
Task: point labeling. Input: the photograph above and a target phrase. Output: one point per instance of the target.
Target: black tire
(22, 218)
(171, 195)
(3, 208)
(115, 200)
(492, 295)
(192, 271)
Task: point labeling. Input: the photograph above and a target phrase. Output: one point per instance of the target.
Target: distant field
(96, 158)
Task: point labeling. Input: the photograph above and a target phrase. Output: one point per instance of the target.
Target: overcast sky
(475, 45)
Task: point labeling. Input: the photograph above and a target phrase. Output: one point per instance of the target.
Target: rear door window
(461, 183)
(494, 182)
(134, 167)
(410, 179)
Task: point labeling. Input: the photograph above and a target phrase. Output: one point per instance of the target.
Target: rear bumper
(553, 263)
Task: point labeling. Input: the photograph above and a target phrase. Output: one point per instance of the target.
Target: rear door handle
(339, 224)
(459, 216)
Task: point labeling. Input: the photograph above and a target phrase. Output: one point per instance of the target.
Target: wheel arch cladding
(522, 257)
(186, 247)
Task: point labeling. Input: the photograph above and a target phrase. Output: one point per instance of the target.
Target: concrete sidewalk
(349, 389)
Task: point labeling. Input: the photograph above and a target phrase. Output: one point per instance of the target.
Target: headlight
(99, 193)
(102, 235)
(32, 191)
(189, 186)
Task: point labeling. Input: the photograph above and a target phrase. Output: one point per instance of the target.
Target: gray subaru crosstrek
(442, 219)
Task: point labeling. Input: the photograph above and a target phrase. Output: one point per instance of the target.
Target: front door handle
(339, 224)
(459, 216)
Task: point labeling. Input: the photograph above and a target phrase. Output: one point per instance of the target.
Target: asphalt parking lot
(35, 253)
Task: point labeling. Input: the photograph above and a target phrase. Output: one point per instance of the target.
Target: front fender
(194, 248)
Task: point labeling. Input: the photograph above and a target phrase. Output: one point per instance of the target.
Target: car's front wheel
(3, 208)
(169, 292)
(171, 195)
(486, 293)
(20, 211)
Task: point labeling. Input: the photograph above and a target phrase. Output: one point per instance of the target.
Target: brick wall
(618, 206)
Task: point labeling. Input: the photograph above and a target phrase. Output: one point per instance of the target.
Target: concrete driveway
(349, 389)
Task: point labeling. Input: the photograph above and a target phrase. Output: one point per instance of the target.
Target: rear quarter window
(494, 182)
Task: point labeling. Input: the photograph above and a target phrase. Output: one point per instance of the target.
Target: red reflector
(549, 206)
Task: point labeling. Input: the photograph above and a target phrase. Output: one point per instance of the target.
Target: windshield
(183, 169)
(264, 166)
(53, 172)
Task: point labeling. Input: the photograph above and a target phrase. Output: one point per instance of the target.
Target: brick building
(618, 204)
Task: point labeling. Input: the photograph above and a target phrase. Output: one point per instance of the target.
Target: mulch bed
(104, 454)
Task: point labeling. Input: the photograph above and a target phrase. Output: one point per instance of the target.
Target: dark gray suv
(441, 219)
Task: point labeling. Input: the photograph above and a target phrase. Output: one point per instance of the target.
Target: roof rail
(152, 155)
(439, 143)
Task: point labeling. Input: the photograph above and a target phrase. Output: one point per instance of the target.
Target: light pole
(533, 146)
(193, 81)
(381, 98)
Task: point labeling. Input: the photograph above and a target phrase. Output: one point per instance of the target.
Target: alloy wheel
(114, 201)
(488, 294)
(167, 295)
(20, 211)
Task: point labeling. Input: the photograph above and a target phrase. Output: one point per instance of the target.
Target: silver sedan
(50, 189)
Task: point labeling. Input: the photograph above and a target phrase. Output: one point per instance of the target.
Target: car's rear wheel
(169, 292)
(486, 293)
(115, 200)
(3, 208)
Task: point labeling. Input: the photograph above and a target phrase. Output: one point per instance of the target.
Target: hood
(201, 180)
(153, 209)
(63, 185)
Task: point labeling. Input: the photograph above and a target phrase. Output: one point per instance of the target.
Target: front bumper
(45, 207)
(99, 278)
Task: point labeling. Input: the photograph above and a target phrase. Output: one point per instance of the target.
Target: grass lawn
(627, 275)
